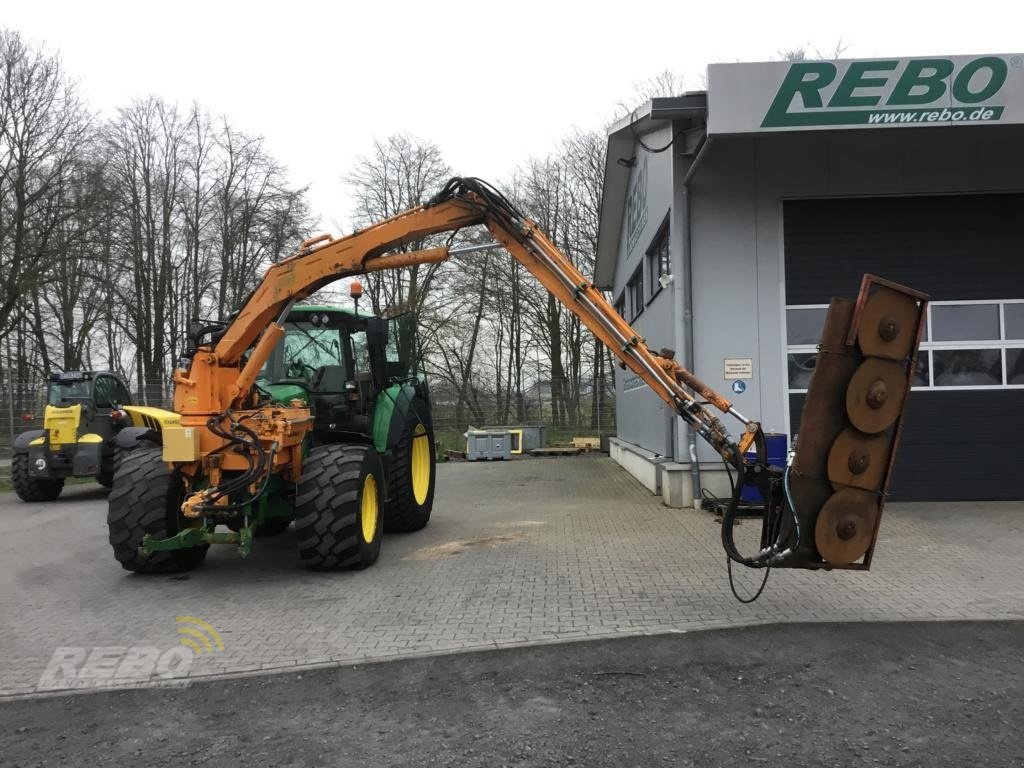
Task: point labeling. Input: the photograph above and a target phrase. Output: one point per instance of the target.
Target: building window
(659, 263)
(620, 306)
(635, 292)
(966, 345)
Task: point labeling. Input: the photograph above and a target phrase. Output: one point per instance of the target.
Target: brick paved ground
(531, 551)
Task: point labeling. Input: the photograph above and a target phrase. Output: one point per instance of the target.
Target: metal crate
(481, 446)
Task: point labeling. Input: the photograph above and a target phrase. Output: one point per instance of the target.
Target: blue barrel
(777, 444)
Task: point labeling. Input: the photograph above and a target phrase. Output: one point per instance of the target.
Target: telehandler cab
(242, 455)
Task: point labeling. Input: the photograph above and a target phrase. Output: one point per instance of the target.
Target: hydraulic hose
(772, 553)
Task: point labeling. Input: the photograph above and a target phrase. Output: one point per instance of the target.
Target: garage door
(967, 251)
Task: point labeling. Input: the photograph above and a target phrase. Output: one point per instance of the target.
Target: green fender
(391, 414)
(284, 393)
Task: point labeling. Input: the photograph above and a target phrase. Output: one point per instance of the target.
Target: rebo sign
(865, 93)
(916, 95)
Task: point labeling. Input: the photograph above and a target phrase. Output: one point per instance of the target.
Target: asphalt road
(915, 694)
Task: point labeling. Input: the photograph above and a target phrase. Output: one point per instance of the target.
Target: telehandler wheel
(412, 479)
(337, 507)
(31, 488)
(146, 498)
(106, 479)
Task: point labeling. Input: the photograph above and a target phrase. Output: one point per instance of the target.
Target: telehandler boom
(232, 443)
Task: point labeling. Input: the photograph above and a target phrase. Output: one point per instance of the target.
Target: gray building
(730, 218)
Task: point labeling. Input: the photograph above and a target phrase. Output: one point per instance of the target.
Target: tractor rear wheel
(31, 488)
(146, 498)
(337, 507)
(413, 470)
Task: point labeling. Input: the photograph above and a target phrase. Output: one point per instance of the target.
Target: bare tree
(71, 303)
(44, 128)
(400, 173)
(146, 166)
(809, 51)
(256, 215)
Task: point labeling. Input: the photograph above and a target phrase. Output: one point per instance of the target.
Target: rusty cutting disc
(875, 394)
(846, 525)
(888, 324)
(859, 460)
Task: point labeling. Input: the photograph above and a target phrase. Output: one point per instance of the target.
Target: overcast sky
(490, 82)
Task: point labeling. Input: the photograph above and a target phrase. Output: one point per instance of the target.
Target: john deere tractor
(85, 411)
(347, 368)
(371, 420)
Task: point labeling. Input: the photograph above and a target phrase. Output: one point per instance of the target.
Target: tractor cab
(93, 391)
(336, 361)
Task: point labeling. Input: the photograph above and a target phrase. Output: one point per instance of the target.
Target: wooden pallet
(556, 450)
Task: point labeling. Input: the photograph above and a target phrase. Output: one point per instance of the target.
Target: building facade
(732, 216)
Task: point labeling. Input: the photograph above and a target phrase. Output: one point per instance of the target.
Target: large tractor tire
(146, 498)
(31, 488)
(337, 507)
(413, 472)
(106, 476)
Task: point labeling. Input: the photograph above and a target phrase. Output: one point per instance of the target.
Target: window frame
(653, 258)
(124, 395)
(619, 305)
(101, 386)
(636, 280)
(928, 346)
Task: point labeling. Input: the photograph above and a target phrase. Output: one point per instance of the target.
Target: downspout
(691, 436)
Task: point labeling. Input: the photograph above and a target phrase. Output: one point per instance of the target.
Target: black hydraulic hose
(266, 481)
(765, 556)
(772, 553)
(255, 467)
(729, 517)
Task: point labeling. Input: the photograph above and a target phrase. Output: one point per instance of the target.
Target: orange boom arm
(217, 381)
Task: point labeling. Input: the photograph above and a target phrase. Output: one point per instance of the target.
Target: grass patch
(5, 480)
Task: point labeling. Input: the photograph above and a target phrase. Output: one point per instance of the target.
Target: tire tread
(327, 508)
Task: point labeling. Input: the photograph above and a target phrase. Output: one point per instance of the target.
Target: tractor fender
(389, 415)
(21, 441)
(406, 401)
(129, 437)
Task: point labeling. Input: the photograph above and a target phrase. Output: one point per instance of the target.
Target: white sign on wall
(739, 368)
(865, 93)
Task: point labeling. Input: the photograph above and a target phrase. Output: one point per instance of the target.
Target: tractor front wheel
(337, 507)
(31, 488)
(412, 479)
(146, 499)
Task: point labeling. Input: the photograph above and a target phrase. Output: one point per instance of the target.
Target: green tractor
(345, 367)
(85, 411)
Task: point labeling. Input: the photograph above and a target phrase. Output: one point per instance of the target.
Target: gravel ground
(913, 694)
